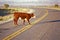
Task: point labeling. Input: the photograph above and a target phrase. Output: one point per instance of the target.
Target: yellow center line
(9, 37)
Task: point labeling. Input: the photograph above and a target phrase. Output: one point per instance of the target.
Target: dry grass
(7, 17)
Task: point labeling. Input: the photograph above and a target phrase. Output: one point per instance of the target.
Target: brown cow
(23, 16)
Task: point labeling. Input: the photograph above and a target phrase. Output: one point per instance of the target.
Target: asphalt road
(46, 29)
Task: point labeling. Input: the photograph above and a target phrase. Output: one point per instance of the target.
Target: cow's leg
(24, 22)
(28, 21)
(15, 20)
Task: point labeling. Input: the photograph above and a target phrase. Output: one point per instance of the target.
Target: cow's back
(22, 15)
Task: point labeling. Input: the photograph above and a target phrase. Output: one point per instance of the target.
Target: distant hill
(29, 2)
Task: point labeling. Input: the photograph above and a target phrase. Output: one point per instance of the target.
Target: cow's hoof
(15, 25)
(29, 23)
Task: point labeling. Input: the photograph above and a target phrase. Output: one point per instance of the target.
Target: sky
(30, 2)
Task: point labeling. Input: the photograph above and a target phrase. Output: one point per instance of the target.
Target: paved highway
(46, 26)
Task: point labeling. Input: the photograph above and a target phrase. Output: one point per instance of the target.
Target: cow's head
(32, 15)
